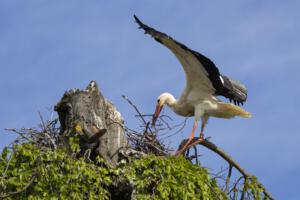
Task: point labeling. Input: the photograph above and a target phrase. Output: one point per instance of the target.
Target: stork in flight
(203, 84)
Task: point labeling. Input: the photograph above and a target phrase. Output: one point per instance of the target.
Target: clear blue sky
(47, 47)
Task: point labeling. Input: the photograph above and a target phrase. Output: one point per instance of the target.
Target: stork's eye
(158, 100)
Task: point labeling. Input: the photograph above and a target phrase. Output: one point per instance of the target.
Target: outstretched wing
(201, 73)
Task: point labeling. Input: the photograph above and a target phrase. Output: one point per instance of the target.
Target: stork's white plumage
(203, 84)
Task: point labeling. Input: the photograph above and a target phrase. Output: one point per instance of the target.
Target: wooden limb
(235, 187)
(228, 179)
(206, 143)
(196, 155)
(244, 189)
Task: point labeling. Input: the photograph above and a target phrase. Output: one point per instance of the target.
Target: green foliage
(31, 172)
(171, 178)
(37, 174)
(254, 188)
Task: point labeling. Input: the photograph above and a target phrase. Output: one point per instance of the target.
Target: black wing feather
(229, 88)
(233, 90)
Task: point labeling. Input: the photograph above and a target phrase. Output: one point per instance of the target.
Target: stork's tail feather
(228, 110)
(238, 111)
(244, 113)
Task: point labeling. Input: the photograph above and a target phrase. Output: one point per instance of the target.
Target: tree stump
(100, 125)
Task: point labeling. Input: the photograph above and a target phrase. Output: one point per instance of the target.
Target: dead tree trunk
(100, 125)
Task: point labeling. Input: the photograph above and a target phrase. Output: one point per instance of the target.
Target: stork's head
(164, 98)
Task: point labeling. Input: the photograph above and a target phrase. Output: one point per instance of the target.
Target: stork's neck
(171, 101)
(182, 109)
(167, 99)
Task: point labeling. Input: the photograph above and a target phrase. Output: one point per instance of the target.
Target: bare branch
(206, 143)
(244, 188)
(136, 109)
(228, 179)
(181, 127)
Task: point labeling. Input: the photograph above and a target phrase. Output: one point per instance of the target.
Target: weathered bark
(96, 119)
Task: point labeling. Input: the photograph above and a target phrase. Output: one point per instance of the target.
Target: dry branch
(206, 143)
(228, 179)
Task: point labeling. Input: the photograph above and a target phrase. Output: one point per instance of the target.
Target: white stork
(203, 84)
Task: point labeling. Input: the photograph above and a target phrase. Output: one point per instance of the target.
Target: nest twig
(148, 140)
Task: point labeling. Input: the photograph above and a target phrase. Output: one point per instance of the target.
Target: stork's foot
(201, 136)
(184, 148)
(199, 140)
(189, 144)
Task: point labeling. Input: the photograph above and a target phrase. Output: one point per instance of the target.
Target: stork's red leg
(201, 137)
(204, 121)
(202, 130)
(189, 140)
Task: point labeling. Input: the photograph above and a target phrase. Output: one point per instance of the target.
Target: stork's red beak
(156, 114)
